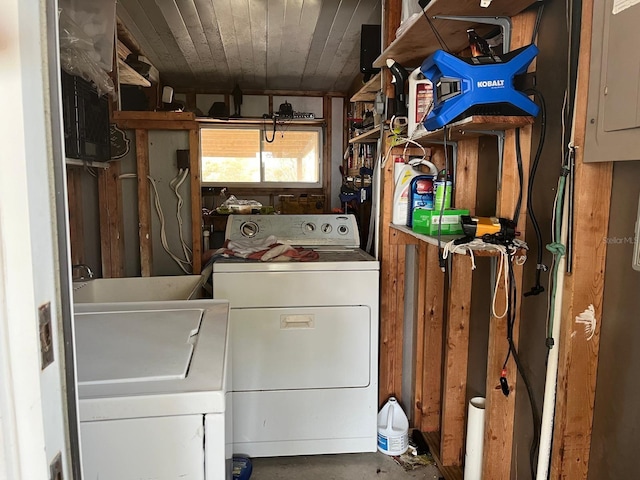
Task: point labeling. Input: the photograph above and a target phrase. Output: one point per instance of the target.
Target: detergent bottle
(405, 174)
(420, 195)
(393, 429)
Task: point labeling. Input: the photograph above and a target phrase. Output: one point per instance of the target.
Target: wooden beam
(500, 410)
(111, 222)
(144, 203)
(196, 200)
(327, 110)
(392, 16)
(578, 360)
(428, 403)
(456, 351)
(456, 356)
(76, 223)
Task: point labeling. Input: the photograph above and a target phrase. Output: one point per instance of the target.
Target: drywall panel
(163, 169)
(205, 100)
(300, 104)
(616, 415)
(253, 106)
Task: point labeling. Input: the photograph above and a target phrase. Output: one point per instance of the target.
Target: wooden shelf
(371, 136)
(261, 121)
(485, 250)
(368, 91)
(417, 41)
(128, 76)
(471, 127)
(154, 120)
(76, 162)
(448, 472)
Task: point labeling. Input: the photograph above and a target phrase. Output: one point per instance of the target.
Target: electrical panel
(613, 106)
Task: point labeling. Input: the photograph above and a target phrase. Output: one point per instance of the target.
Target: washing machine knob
(249, 229)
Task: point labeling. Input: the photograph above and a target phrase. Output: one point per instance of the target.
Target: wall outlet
(182, 159)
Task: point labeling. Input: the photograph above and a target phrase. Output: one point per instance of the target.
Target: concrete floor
(354, 466)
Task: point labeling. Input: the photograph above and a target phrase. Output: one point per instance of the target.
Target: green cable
(558, 250)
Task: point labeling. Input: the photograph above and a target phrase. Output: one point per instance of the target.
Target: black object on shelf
(86, 120)
(370, 48)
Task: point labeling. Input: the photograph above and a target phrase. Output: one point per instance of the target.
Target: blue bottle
(420, 195)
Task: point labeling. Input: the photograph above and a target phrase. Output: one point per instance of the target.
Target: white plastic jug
(403, 175)
(393, 429)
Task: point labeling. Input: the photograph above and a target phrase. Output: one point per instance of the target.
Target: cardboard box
(426, 221)
(291, 204)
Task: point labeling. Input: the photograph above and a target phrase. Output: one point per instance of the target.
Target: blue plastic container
(420, 195)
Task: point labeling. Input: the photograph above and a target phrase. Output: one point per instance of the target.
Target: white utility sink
(138, 289)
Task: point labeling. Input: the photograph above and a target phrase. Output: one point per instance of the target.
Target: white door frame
(34, 267)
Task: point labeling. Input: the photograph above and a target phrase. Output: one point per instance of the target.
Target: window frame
(262, 127)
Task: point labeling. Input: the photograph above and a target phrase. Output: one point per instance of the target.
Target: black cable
(436, 33)
(442, 204)
(273, 136)
(540, 267)
(536, 26)
(535, 416)
(516, 213)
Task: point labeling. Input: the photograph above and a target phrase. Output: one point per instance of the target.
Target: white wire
(501, 273)
(163, 236)
(175, 186)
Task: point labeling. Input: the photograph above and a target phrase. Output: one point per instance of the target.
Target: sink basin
(138, 289)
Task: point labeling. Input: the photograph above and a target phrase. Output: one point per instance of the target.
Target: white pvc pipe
(475, 440)
(548, 407)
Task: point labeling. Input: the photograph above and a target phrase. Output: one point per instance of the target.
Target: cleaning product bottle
(442, 188)
(401, 190)
(420, 100)
(393, 429)
(420, 195)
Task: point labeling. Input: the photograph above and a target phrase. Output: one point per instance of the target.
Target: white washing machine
(153, 381)
(304, 338)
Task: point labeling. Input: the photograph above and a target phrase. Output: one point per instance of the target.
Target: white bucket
(393, 429)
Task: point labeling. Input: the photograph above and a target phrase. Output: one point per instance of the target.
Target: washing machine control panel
(304, 230)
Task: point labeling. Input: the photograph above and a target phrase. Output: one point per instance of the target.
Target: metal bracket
(500, 135)
(503, 22)
(454, 160)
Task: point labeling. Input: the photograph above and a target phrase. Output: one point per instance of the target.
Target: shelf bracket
(503, 22)
(499, 134)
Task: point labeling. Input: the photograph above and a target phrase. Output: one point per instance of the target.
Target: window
(242, 156)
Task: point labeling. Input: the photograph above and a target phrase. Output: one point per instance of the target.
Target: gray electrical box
(613, 105)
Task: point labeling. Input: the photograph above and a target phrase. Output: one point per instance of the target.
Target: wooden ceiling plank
(320, 37)
(300, 23)
(174, 20)
(195, 33)
(348, 51)
(226, 26)
(209, 23)
(243, 24)
(258, 13)
(149, 49)
(177, 64)
(275, 19)
(145, 14)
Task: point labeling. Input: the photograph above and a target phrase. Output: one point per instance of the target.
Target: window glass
(241, 155)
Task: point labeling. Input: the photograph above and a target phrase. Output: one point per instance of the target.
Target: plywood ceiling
(306, 45)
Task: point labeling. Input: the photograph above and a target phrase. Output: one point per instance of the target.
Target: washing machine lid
(147, 359)
(136, 346)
